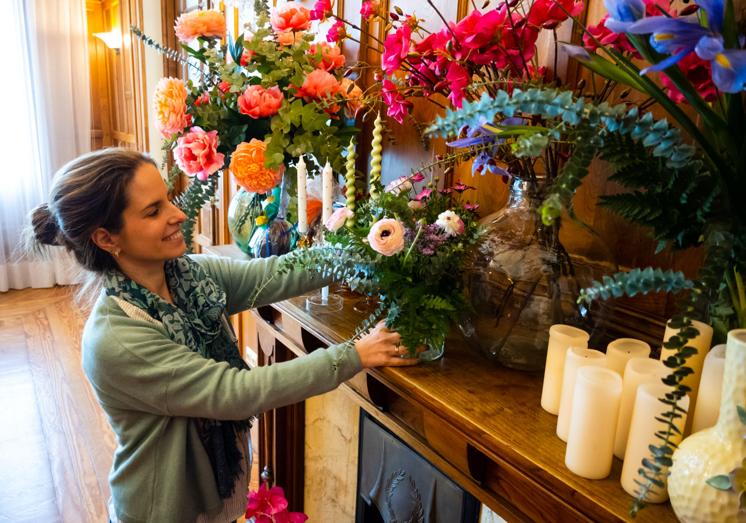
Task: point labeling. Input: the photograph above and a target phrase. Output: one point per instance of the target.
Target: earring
(116, 252)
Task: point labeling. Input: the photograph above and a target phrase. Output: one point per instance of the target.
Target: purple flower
(431, 238)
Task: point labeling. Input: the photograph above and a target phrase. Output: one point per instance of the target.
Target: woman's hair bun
(45, 225)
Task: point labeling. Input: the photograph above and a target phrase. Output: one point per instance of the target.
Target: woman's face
(151, 231)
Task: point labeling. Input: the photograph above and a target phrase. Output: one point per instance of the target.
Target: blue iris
(622, 13)
(678, 37)
(484, 161)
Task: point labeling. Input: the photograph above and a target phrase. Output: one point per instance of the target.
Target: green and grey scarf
(196, 319)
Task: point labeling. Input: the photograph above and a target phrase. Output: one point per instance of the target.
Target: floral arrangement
(269, 505)
(407, 243)
(681, 181)
(261, 99)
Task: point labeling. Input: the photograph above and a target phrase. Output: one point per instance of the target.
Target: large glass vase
(243, 209)
(523, 280)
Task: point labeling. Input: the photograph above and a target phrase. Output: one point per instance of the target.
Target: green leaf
(720, 482)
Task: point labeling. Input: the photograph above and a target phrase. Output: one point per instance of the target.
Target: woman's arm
(242, 278)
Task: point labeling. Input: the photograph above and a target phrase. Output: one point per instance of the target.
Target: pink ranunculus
(326, 57)
(338, 219)
(397, 106)
(258, 102)
(451, 223)
(396, 48)
(337, 32)
(290, 16)
(196, 153)
(322, 9)
(458, 80)
(386, 236)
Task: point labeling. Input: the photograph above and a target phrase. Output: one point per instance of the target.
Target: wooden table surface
(496, 408)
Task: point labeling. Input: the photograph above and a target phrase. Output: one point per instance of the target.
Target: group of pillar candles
(607, 404)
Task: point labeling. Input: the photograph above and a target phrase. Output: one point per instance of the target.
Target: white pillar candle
(595, 406)
(637, 372)
(620, 351)
(300, 167)
(327, 188)
(710, 389)
(695, 362)
(642, 434)
(575, 359)
(561, 337)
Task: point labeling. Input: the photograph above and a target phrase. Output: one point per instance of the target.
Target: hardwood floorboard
(55, 461)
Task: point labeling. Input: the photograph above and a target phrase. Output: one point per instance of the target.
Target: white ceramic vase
(714, 451)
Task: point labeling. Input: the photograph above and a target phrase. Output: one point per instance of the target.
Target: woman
(158, 349)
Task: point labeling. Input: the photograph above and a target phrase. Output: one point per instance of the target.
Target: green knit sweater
(151, 388)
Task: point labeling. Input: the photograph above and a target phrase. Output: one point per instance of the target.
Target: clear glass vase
(523, 280)
(243, 209)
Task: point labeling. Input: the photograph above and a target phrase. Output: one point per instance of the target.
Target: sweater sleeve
(241, 278)
(135, 365)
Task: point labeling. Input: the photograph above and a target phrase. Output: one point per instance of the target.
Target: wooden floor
(55, 443)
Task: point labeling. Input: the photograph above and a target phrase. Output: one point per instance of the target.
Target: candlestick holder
(323, 300)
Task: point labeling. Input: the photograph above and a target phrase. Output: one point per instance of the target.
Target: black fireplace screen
(397, 485)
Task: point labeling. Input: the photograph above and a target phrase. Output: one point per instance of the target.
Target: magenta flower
(396, 48)
(270, 506)
(337, 32)
(369, 9)
(458, 79)
(423, 194)
(398, 106)
(321, 10)
(477, 30)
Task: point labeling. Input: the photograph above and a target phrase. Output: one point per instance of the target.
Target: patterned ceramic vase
(719, 450)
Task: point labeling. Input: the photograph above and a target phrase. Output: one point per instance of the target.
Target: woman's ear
(105, 241)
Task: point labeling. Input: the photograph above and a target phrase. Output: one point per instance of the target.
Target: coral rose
(325, 56)
(258, 102)
(320, 85)
(338, 218)
(205, 23)
(247, 166)
(196, 153)
(170, 107)
(287, 38)
(386, 236)
(353, 97)
(290, 17)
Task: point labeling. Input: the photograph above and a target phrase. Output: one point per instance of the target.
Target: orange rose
(170, 107)
(325, 56)
(205, 23)
(290, 17)
(353, 96)
(318, 86)
(247, 166)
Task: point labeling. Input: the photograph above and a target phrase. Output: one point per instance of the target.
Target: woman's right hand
(381, 346)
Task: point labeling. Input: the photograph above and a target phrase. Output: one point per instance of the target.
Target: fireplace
(396, 484)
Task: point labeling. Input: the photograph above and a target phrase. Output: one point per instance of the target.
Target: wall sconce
(112, 39)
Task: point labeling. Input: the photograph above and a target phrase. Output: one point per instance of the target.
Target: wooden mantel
(479, 423)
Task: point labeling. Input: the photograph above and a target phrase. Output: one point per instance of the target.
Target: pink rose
(386, 237)
(290, 17)
(338, 219)
(196, 153)
(396, 48)
(258, 102)
(451, 223)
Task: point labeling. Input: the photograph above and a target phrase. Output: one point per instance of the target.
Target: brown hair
(87, 193)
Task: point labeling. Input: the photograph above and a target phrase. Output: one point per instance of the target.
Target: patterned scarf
(196, 319)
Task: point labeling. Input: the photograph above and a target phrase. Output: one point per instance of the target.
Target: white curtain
(46, 122)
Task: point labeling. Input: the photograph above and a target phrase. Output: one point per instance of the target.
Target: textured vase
(714, 451)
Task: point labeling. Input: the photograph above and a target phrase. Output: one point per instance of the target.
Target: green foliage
(196, 195)
(636, 281)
